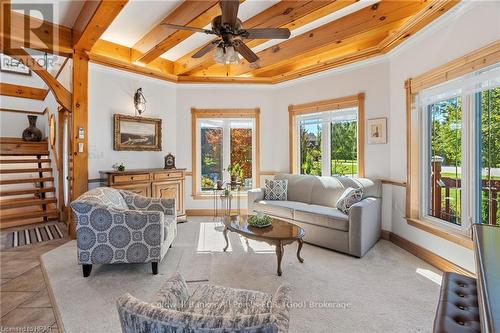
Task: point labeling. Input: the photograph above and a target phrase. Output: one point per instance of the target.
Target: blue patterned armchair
(117, 226)
(209, 309)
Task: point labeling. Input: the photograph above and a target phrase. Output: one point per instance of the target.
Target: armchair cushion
(210, 309)
(139, 202)
(109, 231)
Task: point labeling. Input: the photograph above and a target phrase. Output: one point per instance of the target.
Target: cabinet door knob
(132, 177)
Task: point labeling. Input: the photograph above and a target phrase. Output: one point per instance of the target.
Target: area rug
(388, 290)
(31, 235)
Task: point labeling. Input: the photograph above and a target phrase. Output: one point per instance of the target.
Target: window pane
(211, 156)
(343, 138)
(310, 149)
(241, 153)
(445, 156)
(490, 156)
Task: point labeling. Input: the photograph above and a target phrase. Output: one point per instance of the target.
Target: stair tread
(27, 160)
(9, 193)
(7, 204)
(24, 153)
(26, 180)
(28, 214)
(5, 171)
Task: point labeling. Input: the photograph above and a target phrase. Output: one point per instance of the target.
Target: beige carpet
(389, 290)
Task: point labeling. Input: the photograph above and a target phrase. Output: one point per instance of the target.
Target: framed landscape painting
(11, 65)
(136, 133)
(377, 131)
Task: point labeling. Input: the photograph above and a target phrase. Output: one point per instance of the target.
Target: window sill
(449, 235)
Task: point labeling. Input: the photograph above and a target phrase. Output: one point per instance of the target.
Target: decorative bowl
(259, 221)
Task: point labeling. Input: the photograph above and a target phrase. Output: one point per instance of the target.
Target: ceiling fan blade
(181, 27)
(245, 51)
(229, 9)
(266, 33)
(204, 50)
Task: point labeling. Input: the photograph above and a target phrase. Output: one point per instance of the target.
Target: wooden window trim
(481, 58)
(221, 113)
(357, 100)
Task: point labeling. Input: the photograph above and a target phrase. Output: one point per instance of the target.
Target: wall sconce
(139, 101)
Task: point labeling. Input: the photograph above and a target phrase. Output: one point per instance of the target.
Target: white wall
(112, 91)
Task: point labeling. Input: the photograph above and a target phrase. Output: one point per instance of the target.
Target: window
(326, 138)
(460, 158)
(222, 138)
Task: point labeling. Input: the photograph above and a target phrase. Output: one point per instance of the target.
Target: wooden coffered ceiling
(325, 34)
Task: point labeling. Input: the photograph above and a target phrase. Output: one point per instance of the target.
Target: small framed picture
(377, 131)
(11, 65)
(137, 133)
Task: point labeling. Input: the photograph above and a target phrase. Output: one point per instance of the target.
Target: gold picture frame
(136, 133)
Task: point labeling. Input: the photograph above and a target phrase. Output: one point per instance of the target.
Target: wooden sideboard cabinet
(156, 183)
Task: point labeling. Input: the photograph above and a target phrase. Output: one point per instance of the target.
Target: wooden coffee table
(279, 234)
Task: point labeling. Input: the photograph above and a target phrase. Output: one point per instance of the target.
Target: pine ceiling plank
(363, 20)
(94, 18)
(428, 14)
(14, 90)
(151, 46)
(118, 56)
(42, 35)
(284, 14)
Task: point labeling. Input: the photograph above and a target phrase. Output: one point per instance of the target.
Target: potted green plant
(235, 171)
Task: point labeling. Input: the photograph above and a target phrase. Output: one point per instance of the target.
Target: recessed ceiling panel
(62, 12)
(137, 19)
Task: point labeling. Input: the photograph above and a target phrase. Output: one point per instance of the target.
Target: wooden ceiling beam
(155, 42)
(43, 36)
(363, 20)
(94, 18)
(284, 14)
(14, 90)
(61, 94)
(118, 56)
(327, 52)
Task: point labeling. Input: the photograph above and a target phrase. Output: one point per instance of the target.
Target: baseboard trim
(424, 254)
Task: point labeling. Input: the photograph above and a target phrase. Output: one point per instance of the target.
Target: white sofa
(311, 204)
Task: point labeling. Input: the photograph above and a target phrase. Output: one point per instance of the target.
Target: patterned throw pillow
(349, 198)
(276, 189)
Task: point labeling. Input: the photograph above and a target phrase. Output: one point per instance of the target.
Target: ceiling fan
(231, 32)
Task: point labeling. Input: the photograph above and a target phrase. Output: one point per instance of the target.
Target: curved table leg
(301, 242)
(279, 254)
(225, 237)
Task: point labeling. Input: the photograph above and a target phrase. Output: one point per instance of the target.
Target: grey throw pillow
(349, 198)
(276, 189)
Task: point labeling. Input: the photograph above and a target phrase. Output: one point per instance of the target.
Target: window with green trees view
(462, 158)
(328, 143)
(224, 142)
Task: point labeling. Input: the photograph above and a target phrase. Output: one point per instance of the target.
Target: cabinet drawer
(142, 189)
(131, 178)
(167, 175)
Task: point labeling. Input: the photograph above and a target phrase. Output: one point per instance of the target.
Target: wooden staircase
(27, 189)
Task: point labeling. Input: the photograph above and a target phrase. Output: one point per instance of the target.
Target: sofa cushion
(371, 187)
(323, 216)
(299, 187)
(349, 198)
(276, 189)
(326, 191)
(278, 208)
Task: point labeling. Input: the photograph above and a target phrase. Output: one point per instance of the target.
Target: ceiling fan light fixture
(226, 55)
(232, 56)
